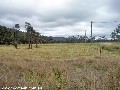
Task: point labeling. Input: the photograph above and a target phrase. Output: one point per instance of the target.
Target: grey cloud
(114, 6)
(66, 17)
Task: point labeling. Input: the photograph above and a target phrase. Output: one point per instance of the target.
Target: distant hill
(58, 38)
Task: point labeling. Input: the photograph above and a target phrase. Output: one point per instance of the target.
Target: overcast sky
(62, 17)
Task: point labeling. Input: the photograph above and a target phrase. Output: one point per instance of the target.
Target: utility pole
(85, 36)
(91, 32)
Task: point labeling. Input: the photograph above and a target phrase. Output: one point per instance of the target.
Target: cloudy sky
(62, 17)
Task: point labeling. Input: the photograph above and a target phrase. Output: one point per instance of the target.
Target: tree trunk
(36, 45)
(29, 44)
(15, 44)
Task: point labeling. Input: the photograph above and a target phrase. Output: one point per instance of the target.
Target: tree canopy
(115, 35)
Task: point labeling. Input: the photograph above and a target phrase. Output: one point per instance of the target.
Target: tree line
(14, 36)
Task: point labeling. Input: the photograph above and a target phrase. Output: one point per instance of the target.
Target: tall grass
(60, 67)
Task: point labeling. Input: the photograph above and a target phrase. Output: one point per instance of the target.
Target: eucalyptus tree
(16, 35)
(3, 31)
(118, 33)
(115, 35)
(5, 35)
(29, 33)
(37, 38)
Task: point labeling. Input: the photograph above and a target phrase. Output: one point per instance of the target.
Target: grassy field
(61, 66)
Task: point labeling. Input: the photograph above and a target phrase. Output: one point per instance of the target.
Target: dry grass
(60, 66)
